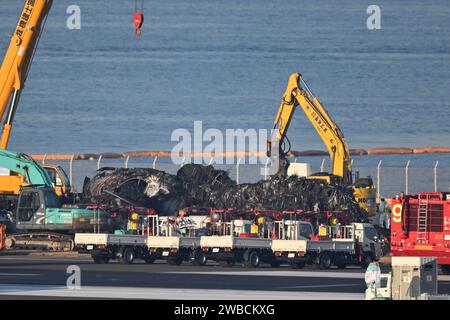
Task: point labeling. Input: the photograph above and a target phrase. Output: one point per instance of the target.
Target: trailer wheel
(252, 260)
(325, 261)
(174, 261)
(127, 256)
(226, 263)
(198, 258)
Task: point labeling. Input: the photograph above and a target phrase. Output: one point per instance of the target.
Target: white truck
(168, 244)
(336, 245)
(156, 240)
(233, 243)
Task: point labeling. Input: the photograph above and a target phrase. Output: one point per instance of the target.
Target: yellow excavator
(13, 74)
(298, 94)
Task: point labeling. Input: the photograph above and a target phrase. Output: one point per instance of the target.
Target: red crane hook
(138, 20)
(138, 17)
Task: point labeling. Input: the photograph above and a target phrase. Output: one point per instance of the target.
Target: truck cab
(367, 237)
(297, 230)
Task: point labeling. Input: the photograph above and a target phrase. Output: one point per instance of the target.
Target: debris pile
(197, 185)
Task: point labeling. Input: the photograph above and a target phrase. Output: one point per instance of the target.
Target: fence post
(407, 177)
(126, 162)
(182, 161)
(435, 176)
(378, 181)
(295, 161)
(154, 162)
(99, 161)
(322, 165)
(237, 170)
(71, 171)
(43, 159)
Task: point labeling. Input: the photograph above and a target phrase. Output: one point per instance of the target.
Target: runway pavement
(46, 277)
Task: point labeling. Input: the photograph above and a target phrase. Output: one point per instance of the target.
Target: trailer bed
(234, 242)
(109, 239)
(330, 245)
(289, 245)
(173, 242)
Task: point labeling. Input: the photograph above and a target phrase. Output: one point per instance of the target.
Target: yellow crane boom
(17, 60)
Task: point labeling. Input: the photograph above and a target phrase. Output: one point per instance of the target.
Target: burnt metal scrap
(197, 185)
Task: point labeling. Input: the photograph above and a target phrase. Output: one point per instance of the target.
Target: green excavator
(36, 218)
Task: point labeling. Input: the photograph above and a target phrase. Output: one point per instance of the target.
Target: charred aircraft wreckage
(197, 185)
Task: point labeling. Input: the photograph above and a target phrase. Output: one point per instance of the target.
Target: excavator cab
(31, 207)
(328, 178)
(59, 179)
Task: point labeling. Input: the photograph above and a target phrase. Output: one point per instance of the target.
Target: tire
(252, 260)
(149, 259)
(199, 259)
(445, 268)
(127, 256)
(174, 261)
(298, 265)
(325, 261)
(226, 263)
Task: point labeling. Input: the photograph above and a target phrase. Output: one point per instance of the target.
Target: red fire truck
(420, 226)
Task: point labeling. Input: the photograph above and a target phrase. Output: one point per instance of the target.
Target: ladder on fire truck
(422, 218)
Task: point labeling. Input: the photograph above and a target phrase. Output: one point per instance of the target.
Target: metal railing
(389, 179)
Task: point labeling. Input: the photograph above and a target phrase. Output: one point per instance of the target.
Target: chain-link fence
(390, 177)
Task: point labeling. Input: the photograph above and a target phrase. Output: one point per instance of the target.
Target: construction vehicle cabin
(36, 216)
(420, 226)
(298, 94)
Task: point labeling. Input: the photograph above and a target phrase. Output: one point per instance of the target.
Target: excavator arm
(298, 94)
(17, 60)
(26, 167)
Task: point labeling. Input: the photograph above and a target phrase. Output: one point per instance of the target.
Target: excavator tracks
(40, 241)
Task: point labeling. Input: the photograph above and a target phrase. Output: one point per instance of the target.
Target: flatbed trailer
(175, 249)
(229, 248)
(104, 247)
(351, 246)
(150, 245)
